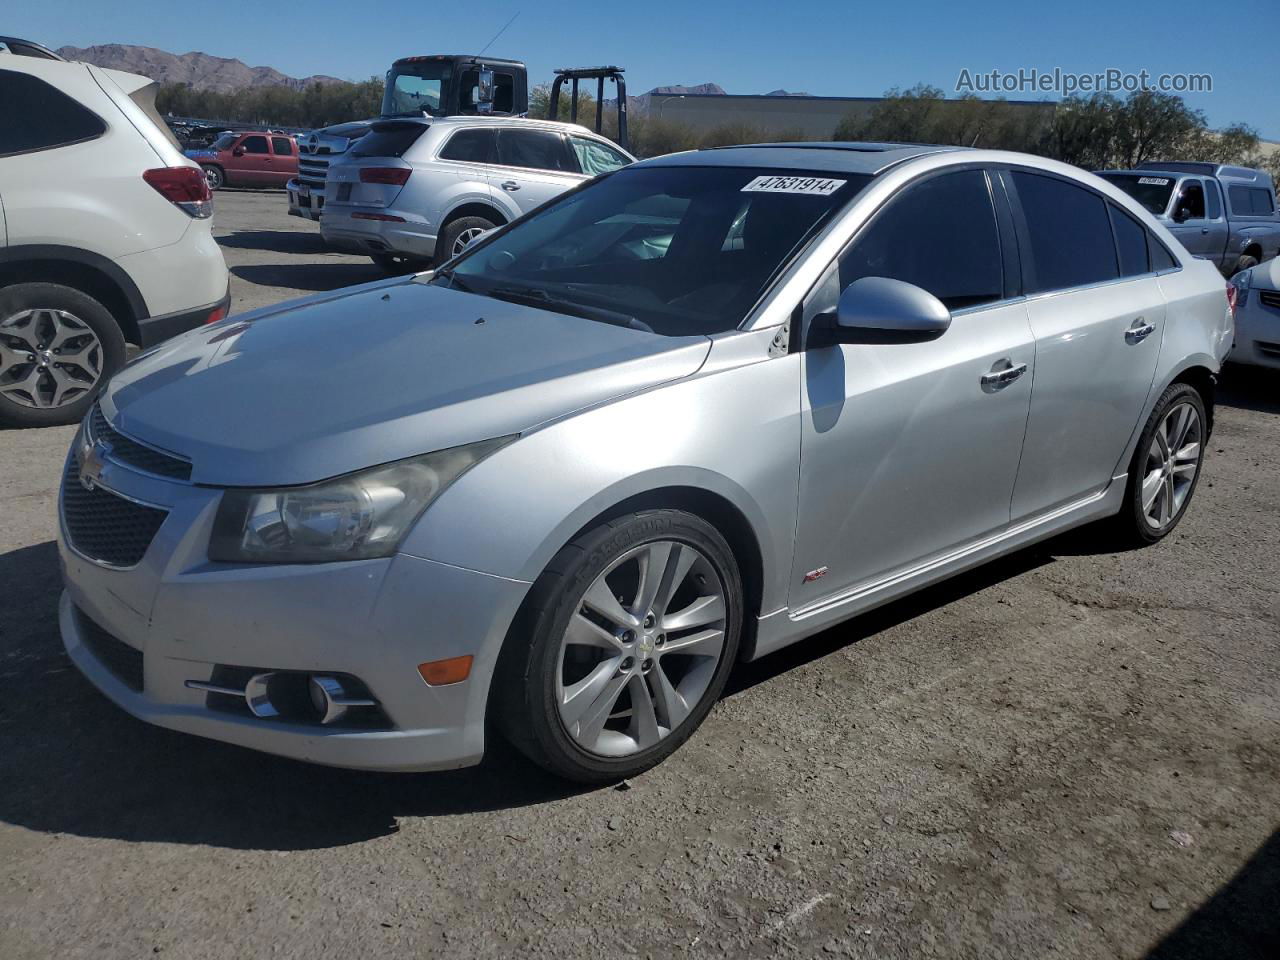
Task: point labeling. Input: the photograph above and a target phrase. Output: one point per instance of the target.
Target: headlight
(354, 517)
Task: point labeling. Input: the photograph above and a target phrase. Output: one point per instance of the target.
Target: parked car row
(251, 158)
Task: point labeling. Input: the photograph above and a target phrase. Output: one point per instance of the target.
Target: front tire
(58, 346)
(624, 645)
(1165, 468)
(1244, 263)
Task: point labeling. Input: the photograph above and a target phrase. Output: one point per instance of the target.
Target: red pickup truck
(253, 158)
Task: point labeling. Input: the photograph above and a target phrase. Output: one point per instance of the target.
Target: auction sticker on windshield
(814, 186)
(1154, 181)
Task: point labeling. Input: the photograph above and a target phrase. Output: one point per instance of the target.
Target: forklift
(448, 85)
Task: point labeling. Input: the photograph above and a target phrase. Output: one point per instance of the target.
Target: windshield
(1150, 190)
(673, 250)
(224, 142)
(414, 87)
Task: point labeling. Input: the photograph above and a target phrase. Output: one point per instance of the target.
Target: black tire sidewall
(1245, 263)
(454, 229)
(25, 296)
(539, 729)
(1135, 516)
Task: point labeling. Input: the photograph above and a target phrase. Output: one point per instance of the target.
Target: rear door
(284, 160)
(534, 166)
(1097, 336)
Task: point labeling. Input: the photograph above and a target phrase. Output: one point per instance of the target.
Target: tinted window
(536, 149)
(1213, 199)
(282, 146)
(254, 144)
(595, 157)
(940, 235)
(504, 95)
(1068, 231)
(36, 116)
(1161, 258)
(1260, 203)
(471, 146)
(676, 250)
(1131, 243)
(1191, 199)
(1152, 192)
(389, 141)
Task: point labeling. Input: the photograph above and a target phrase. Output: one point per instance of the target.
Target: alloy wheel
(48, 358)
(641, 648)
(1172, 462)
(465, 238)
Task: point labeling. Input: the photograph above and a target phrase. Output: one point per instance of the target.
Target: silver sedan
(683, 416)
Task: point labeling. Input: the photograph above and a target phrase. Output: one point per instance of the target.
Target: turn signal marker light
(439, 673)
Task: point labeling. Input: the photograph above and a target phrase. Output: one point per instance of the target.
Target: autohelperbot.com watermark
(1065, 83)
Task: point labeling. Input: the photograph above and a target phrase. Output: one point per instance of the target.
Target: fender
(57, 252)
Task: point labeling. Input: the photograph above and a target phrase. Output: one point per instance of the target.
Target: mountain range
(199, 70)
(225, 74)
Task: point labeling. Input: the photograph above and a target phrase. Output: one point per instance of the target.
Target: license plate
(304, 192)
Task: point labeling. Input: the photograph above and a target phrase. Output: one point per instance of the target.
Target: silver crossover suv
(690, 413)
(421, 189)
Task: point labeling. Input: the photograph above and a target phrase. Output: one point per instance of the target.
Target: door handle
(510, 186)
(1138, 331)
(1000, 378)
(1204, 229)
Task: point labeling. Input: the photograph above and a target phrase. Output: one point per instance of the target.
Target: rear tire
(1165, 469)
(648, 693)
(396, 264)
(58, 346)
(214, 177)
(457, 234)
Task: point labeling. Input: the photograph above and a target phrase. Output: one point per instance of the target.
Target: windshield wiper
(455, 282)
(535, 297)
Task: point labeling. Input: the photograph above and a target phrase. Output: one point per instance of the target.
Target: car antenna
(499, 33)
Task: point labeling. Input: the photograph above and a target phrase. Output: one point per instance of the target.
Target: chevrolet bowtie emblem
(91, 465)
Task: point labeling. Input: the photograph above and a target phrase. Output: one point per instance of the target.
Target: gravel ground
(1071, 752)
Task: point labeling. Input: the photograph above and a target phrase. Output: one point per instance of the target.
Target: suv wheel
(627, 641)
(214, 177)
(57, 347)
(457, 234)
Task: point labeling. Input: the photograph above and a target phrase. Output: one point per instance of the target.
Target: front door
(1203, 236)
(534, 166)
(1097, 313)
(253, 166)
(910, 450)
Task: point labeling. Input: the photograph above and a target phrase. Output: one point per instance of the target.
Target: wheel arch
(475, 208)
(1205, 383)
(91, 273)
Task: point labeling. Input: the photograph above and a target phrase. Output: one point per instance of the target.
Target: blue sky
(825, 47)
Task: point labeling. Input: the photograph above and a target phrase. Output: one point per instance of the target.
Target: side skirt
(782, 628)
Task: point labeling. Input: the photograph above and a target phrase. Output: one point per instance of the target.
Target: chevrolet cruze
(687, 414)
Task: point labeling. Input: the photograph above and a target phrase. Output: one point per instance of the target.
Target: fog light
(331, 699)
(439, 673)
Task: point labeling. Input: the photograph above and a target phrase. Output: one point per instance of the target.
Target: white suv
(416, 190)
(105, 234)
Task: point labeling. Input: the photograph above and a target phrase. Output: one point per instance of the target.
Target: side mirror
(238, 152)
(881, 310)
(1181, 215)
(484, 87)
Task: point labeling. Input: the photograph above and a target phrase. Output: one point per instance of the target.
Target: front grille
(106, 527)
(1270, 298)
(130, 453)
(124, 662)
(312, 172)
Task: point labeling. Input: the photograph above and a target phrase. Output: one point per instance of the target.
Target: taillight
(391, 176)
(184, 187)
(216, 314)
(1233, 297)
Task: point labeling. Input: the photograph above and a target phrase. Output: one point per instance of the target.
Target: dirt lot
(1070, 753)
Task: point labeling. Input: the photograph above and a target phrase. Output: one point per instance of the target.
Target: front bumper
(412, 238)
(181, 618)
(1257, 332)
(306, 202)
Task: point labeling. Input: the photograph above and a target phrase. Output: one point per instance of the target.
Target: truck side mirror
(1181, 215)
(238, 152)
(484, 87)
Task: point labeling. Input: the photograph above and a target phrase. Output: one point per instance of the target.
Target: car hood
(328, 385)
